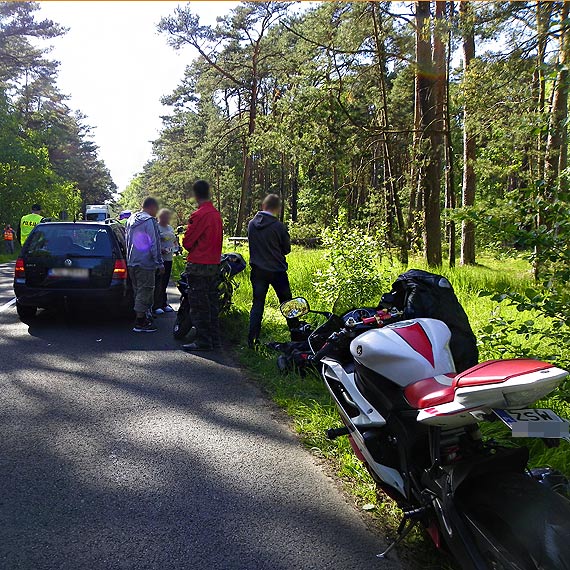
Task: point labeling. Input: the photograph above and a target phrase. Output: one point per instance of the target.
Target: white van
(97, 212)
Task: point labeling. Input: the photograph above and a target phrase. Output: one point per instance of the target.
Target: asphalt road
(119, 451)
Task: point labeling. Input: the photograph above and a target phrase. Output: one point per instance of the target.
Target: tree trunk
(218, 193)
(556, 144)
(388, 162)
(388, 197)
(430, 137)
(283, 163)
(469, 146)
(248, 159)
(440, 87)
(293, 204)
(414, 229)
(450, 202)
(543, 15)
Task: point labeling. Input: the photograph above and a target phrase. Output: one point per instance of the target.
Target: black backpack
(420, 294)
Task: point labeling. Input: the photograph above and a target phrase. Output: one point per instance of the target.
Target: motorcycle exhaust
(333, 433)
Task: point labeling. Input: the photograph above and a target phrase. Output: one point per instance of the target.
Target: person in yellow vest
(9, 235)
(29, 222)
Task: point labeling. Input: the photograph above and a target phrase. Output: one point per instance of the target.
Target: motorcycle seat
(497, 371)
(441, 389)
(430, 391)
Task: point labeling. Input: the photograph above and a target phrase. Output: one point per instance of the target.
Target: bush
(548, 302)
(352, 277)
(308, 235)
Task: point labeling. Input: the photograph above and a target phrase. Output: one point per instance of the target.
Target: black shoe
(144, 325)
(194, 347)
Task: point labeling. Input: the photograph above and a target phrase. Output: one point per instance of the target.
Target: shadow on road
(120, 451)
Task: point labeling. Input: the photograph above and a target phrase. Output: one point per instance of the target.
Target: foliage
(302, 232)
(46, 152)
(318, 106)
(351, 277)
(548, 300)
(307, 401)
(26, 174)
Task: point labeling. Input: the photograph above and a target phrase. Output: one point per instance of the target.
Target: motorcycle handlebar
(378, 319)
(325, 350)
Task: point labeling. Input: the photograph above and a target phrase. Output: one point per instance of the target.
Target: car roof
(80, 223)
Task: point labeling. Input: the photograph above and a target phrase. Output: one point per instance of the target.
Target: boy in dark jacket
(269, 243)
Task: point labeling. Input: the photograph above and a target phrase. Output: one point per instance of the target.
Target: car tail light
(20, 270)
(120, 270)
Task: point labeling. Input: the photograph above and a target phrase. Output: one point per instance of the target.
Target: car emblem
(68, 262)
(359, 350)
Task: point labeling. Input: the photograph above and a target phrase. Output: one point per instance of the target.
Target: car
(71, 264)
(97, 212)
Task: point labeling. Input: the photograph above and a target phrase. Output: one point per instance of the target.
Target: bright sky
(116, 67)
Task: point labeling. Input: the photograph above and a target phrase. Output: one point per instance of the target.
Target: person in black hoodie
(269, 243)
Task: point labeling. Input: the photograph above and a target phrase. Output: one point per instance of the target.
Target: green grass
(307, 402)
(5, 257)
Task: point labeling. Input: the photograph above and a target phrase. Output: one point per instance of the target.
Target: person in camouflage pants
(204, 303)
(203, 241)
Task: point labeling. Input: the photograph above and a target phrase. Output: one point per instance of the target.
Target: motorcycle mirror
(297, 307)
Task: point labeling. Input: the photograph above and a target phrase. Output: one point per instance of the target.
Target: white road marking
(7, 305)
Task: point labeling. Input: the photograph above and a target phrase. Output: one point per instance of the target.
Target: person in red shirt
(203, 241)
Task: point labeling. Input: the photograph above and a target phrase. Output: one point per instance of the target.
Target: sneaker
(144, 326)
(195, 347)
(168, 309)
(159, 311)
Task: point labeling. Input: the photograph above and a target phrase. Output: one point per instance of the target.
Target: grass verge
(307, 402)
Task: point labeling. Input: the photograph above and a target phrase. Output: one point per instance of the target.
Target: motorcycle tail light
(120, 269)
(20, 270)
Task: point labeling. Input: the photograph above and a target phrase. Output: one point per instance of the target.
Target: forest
(47, 153)
(440, 128)
(425, 134)
(431, 134)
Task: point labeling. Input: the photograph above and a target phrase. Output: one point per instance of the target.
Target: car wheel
(25, 312)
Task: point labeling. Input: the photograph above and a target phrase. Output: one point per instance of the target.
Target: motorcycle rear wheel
(183, 323)
(226, 292)
(522, 525)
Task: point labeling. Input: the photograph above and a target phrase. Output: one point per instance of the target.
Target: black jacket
(269, 243)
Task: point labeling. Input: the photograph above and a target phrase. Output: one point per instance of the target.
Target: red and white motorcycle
(414, 423)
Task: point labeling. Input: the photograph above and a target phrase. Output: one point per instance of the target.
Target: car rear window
(96, 217)
(74, 241)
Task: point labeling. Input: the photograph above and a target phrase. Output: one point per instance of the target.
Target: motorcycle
(231, 264)
(415, 424)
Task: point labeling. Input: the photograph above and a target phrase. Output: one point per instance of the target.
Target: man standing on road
(203, 241)
(9, 236)
(29, 222)
(269, 243)
(144, 259)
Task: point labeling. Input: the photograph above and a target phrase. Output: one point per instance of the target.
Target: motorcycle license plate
(534, 423)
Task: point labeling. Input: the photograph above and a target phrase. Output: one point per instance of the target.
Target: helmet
(125, 214)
